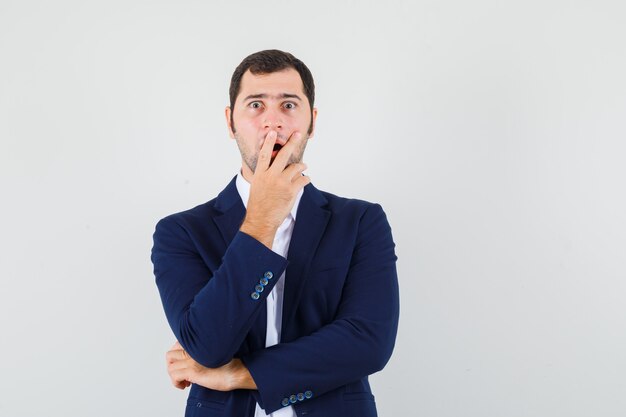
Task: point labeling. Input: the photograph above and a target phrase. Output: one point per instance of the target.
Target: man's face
(274, 101)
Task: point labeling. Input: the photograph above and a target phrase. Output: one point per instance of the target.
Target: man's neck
(247, 173)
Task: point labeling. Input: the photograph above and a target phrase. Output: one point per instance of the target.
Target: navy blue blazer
(340, 308)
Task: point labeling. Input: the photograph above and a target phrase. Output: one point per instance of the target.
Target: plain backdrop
(492, 133)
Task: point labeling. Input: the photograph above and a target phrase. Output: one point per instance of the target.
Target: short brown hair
(266, 62)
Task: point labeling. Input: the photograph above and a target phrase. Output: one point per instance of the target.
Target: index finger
(282, 157)
(265, 155)
(175, 355)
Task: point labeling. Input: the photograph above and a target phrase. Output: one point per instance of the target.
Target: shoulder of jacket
(353, 206)
(197, 213)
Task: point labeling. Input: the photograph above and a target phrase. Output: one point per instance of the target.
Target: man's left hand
(184, 371)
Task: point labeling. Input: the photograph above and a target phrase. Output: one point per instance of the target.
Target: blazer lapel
(311, 221)
(233, 211)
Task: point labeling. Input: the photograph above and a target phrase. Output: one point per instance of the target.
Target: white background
(492, 132)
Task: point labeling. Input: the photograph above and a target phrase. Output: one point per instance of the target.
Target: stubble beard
(252, 158)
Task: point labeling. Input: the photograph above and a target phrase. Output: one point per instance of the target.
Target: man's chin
(291, 161)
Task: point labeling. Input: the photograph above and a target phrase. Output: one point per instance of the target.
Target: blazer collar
(229, 204)
(228, 199)
(243, 188)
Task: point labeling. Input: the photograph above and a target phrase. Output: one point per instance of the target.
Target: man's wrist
(241, 377)
(263, 234)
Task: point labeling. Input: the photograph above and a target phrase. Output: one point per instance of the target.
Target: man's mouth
(277, 148)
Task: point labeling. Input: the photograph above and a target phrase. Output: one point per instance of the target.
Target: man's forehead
(274, 85)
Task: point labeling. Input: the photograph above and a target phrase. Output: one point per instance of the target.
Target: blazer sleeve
(211, 311)
(360, 340)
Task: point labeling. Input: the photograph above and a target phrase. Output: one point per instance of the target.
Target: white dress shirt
(275, 297)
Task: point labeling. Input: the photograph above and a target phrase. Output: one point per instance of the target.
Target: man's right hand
(274, 188)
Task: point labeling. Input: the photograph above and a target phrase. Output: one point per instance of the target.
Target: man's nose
(272, 120)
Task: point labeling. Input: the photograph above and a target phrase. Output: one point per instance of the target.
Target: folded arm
(210, 312)
(359, 342)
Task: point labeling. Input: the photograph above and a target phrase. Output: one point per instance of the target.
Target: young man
(283, 298)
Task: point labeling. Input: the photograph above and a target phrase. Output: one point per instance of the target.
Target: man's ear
(227, 112)
(313, 118)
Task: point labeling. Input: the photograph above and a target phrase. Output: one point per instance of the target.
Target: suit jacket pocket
(202, 407)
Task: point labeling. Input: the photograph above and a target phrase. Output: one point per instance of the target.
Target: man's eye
(255, 105)
(290, 105)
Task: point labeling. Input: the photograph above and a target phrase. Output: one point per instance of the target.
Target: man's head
(270, 90)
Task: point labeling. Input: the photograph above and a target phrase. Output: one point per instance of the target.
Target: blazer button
(308, 394)
(300, 396)
(292, 399)
(285, 402)
(259, 288)
(268, 275)
(255, 296)
(263, 281)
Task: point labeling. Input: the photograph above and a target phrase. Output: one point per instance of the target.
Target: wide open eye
(290, 105)
(255, 104)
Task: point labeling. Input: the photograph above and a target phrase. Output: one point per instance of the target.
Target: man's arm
(357, 343)
(210, 312)
(360, 340)
(184, 371)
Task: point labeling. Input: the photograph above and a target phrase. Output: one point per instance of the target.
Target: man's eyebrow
(283, 95)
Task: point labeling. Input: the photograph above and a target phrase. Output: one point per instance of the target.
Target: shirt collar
(243, 187)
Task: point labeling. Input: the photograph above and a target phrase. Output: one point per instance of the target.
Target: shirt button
(285, 402)
(255, 296)
(268, 275)
(308, 394)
